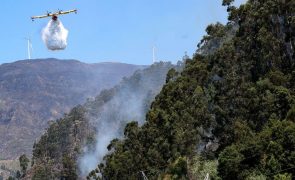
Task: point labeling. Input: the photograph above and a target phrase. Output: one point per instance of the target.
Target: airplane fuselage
(54, 18)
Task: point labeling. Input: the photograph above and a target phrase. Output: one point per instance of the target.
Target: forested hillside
(129, 101)
(231, 111)
(76, 138)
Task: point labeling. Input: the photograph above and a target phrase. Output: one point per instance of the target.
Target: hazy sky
(110, 30)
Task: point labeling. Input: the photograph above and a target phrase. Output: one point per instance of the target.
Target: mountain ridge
(33, 92)
(71, 60)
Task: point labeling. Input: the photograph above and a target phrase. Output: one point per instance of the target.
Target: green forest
(229, 113)
(236, 96)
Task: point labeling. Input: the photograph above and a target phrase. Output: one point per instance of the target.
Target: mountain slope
(32, 92)
(83, 135)
(230, 112)
(234, 105)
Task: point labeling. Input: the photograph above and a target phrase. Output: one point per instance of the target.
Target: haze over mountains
(79, 140)
(33, 92)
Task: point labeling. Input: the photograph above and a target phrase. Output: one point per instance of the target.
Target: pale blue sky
(110, 30)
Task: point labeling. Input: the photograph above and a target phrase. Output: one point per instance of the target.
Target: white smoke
(122, 108)
(130, 102)
(55, 35)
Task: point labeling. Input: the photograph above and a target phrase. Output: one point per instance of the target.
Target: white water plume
(55, 35)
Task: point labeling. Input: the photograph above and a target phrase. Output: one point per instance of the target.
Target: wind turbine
(30, 47)
(154, 54)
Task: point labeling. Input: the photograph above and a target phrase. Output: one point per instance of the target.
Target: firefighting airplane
(54, 15)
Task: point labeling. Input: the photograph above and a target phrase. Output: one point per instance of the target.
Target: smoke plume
(125, 106)
(130, 102)
(55, 35)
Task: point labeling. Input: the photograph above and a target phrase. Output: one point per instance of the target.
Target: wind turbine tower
(29, 48)
(154, 54)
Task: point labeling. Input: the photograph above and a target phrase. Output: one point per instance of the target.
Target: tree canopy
(234, 104)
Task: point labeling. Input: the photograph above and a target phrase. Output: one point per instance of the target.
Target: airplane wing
(38, 17)
(67, 12)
